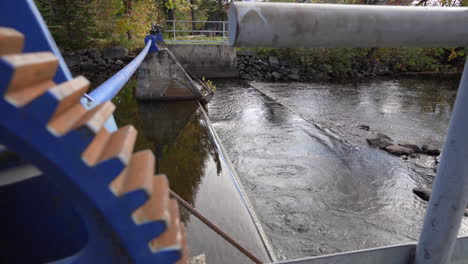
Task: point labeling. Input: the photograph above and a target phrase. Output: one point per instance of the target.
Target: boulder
(119, 62)
(414, 147)
(72, 60)
(379, 142)
(430, 150)
(273, 61)
(89, 67)
(95, 54)
(365, 127)
(245, 76)
(398, 150)
(423, 193)
(82, 51)
(293, 77)
(382, 135)
(115, 52)
(101, 62)
(127, 59)
(276, 75)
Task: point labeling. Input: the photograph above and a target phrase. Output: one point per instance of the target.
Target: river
(313, 181)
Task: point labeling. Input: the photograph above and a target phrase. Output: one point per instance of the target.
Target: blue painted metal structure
(24, 16)
(68, 215)
(110, 88)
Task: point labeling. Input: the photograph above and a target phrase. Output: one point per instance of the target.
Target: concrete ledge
(161, 77)
(207, 60)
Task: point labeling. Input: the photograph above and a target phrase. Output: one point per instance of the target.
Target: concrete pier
(161, 77)
(207, 60)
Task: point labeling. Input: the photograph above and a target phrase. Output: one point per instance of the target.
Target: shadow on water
(178, 135)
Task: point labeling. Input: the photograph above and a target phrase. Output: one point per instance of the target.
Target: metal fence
(181, 31)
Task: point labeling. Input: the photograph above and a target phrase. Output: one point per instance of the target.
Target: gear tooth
(94, 150)
(185, 252)
(95, 118)
(120, 145)
(11, 41)
(32, 76)
(137, 175)
(157, 206)
(57, 100)
(76, 117)
(69, 93)
(67, 120)
(172, 237)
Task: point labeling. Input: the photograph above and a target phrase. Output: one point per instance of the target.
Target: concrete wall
(207, 60)
(161, 77)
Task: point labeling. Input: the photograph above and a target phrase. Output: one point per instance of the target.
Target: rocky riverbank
(96, 61)
(274, 69)
(336, 66)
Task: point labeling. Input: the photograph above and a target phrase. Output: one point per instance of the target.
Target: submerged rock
(382, 135)
(398, 150)
(430, 150)
(365, 127)
(380, 141)
(414, 147)
(423, 193)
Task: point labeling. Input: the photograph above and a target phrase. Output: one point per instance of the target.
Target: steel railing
(185, 26)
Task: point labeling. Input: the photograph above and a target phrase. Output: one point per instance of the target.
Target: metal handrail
(195, 21)
(112, 86)
(175, 31)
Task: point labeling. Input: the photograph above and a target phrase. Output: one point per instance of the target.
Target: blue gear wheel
(127, 211)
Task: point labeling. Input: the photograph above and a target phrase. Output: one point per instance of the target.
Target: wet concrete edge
(233, 172)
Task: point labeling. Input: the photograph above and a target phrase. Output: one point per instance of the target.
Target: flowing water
(303, 160)
(315, 184)
(187, 153)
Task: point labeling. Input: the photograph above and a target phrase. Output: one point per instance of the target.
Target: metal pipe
(333, 25)
(112, 86)
(450, 189)
(190, 21)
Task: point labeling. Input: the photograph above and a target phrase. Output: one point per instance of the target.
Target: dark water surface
(315, 184)
(186, 152)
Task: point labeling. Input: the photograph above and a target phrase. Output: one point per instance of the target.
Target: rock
(430, 150)
(365, 127)
(200, 259)
(116, 52)
(119, 62)
(82, 51)
(398, 150)
(379, 142)
(72, 60)
(127, 59)
(423, 193)
(88, 67)
(95, 53)
(273, 61)
(293, 77)
(245, 76)
(414, 147)
(276, 75)
(382, 135)
(101, 62)
(414, 156)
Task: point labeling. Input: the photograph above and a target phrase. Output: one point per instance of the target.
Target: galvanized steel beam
(450, 189)
(331, 25)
